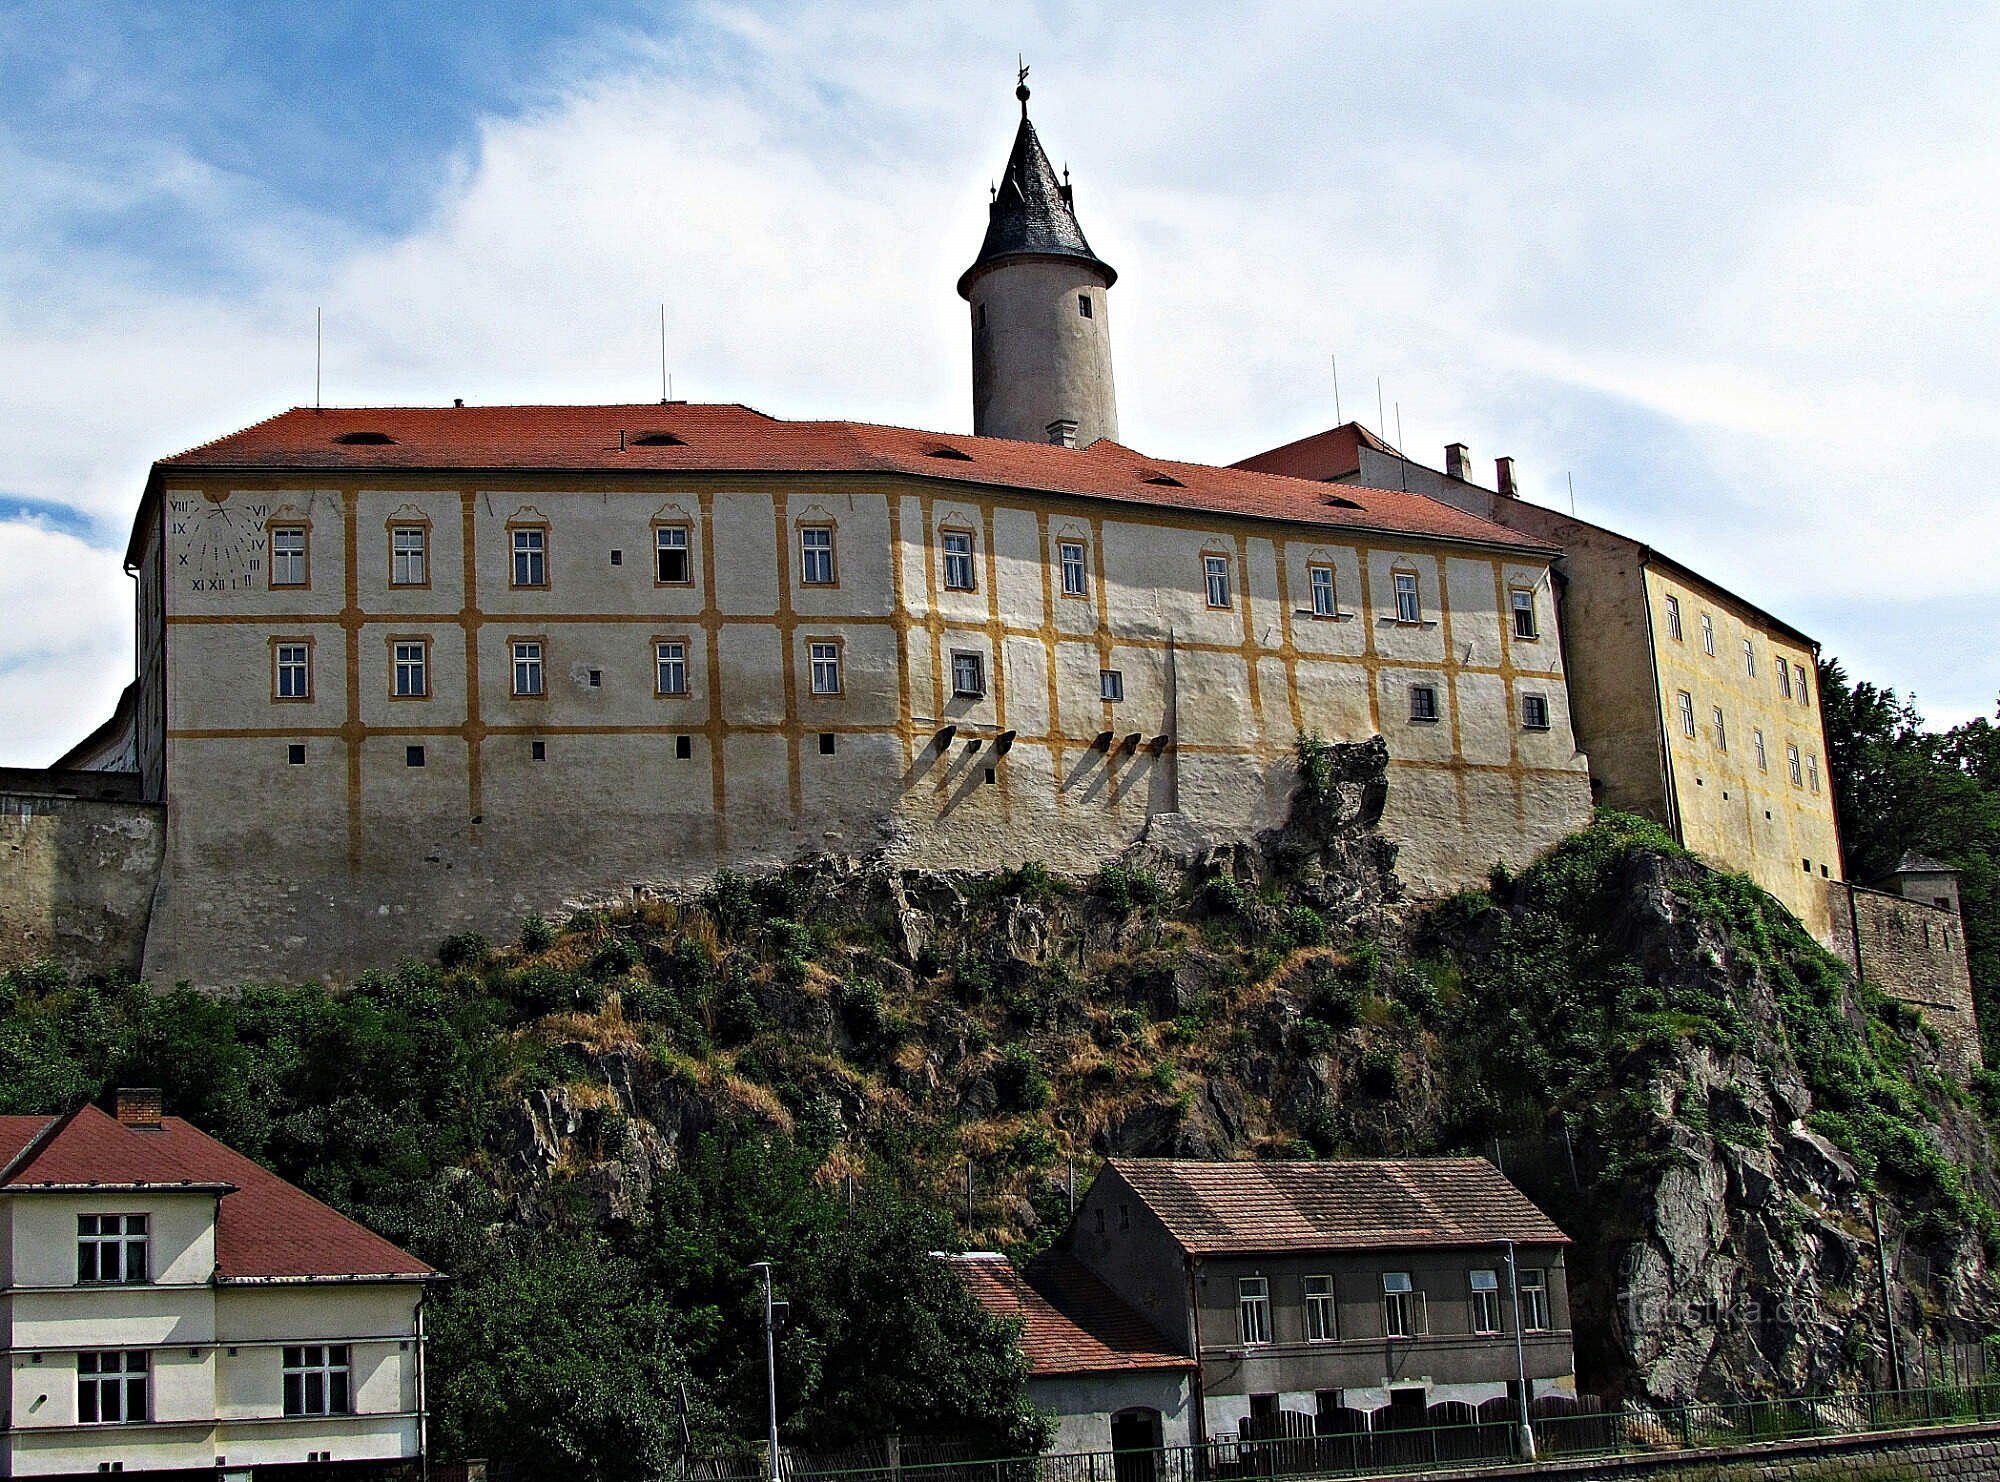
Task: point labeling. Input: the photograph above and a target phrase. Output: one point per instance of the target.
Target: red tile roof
(1071, 1322)
(726, 438)
(266, 1229)
(1216, 1208)
(1332, 454)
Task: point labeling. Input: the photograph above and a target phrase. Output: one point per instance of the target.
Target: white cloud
(66, 650)
(1746, 297)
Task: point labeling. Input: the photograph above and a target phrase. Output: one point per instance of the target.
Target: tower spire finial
(1021, 83)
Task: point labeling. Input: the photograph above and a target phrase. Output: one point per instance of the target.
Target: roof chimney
(1503, 478)
(1062, 432)
(1458, 462)
(139, 1106)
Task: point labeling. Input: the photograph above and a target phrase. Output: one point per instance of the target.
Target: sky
(1728, 270)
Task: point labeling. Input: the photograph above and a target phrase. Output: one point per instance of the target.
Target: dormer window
(111, 1248)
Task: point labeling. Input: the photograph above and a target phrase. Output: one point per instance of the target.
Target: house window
(1757, 744)
(409, 565)
(1075, 578)
(1485, 1302)
(1320, 579)
(1083, 306)
(531, 556)
(413, 756)
(1749, 659)
(1524, 613)
(1409, 608)
(111, 1248)
(292, 676)
(528, 667)
(826, 743)
(1253, 1309)
(1320, 1322)
(288, 555)
(671, 564)
(1423, 702)
(958, 575)
(968, 674)
(816, 555)
(670, 663)
(295, 754)
(1686, 703)
(1534, 1302)
(1792, 762)
(1799, 683)
(316, 1379)
(1708, 635)
(1812, 771)
(825, 660)
(412, 670)
(1721, 729)
(111, 1387)
(1399, 1305)
(1216, 570)
(683, 748)
(1535, 712)
(1784, 680)
(1111, 685)
(1674, 618)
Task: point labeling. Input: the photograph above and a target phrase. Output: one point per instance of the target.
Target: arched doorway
(1135, 1442)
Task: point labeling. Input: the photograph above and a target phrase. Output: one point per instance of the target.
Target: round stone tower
(1041, 327)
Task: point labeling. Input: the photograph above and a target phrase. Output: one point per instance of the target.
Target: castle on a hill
(408, 671)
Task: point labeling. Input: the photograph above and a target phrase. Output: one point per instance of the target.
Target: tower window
(1423, 702)
(1215, 573)
(413, 756)
(1409, 605)
(683, 748)
(671, 567)
(538, 751)
(1075, 578)
(816, 555)
(1111, 685)
(1320, 578)
(1083, 306)
(968, 674)
(1523, 602)
(825, 661)
(295, 754)
(958, 572)
(1535, 712)
(826, 743)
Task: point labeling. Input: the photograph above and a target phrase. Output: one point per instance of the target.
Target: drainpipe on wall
(1199, 1398)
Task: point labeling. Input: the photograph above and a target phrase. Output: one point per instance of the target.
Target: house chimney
(139, 1106)
(1503, 478)
(1458, 462)
(1062, 432)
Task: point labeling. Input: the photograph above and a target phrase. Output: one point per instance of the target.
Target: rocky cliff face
(1698, 1095)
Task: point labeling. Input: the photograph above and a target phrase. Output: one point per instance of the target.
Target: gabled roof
(266, 1229)
(1216, 1208)
(1072, 1323)
(1913, 863)
(727, 438)
(1323, 456)
(1031, 214)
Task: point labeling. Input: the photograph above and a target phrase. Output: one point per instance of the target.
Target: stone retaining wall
(1913, 952)
(79, 856)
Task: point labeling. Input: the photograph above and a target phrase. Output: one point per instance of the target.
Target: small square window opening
(1083, 306)
(1111, 685)
(1423, 702)
(683, 748)
(1535, 712)
(968, 675)
(295, 754)
(826, 743)
(538, 751)
(413, 756)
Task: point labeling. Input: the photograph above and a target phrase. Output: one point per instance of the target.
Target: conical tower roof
(1031, 214)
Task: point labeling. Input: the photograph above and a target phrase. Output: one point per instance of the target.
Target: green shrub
(538, 990)
(1129, 887)
(1019, 1080)
(466, 949)
(1379, 1071)
(538, 934)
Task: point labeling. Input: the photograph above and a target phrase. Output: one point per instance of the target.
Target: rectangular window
(1812, 770)
(1784, 679)
(683, 748)
(825, 659)
(1524, 613)
(409, 564)
(288, 555)
(1075, 578)
(1721, 729)
(672, 566)
(292, 676)
(1792, 762)
(1674, 618)
(531, 556)
(670, 663)
(111, 1387)
(1535, 712)
(528, 667)
(1253, 1309)
(316, 1379)
(412, 670)
(1423, 702)
(1757, 743)
(1321, 1325)
(1320, 579)
(111, 1248)
(1799, 683)
(968, 674)
(1215, 569)
(1708, 635)
(1534, 1302)
(1409, 606)
(816, 555)
(1749, 659)
(1399, 1305)
(1111, 685)
(1686, 703)
(1485, 1302)
(1083, 305)
(958, 573)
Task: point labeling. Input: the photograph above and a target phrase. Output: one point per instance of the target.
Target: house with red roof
(170, 1308)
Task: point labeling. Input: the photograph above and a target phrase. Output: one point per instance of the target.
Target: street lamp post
(1520, 1354)
(770, 1367)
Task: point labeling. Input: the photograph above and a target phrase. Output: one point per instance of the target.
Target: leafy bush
(537, 934)
(1019, 1080)
(467, 949)
(1129, 888)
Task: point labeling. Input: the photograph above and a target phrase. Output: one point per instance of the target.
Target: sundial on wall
(214, 548)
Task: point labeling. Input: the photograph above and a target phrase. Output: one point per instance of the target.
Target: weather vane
(1021, 83)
